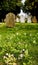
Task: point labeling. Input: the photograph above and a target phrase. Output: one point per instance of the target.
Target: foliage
(7, 6)
(31, 6)
(10, 5)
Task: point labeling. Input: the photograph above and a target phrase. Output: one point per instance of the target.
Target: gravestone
(22, 16)
(29, 19)
(17, 19)
(34, 20)
(10, 20)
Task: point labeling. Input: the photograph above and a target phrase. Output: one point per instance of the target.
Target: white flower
(23, 50)
(4, 57)
(21, 55)
(7, 54)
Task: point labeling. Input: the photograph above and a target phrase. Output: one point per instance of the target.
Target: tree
(9, 6)
(32, 7)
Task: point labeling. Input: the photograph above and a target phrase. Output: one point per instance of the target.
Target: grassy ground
(22, 36)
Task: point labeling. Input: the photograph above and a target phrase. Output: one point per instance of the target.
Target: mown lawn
(14, 40)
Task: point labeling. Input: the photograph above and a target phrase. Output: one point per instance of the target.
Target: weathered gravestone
(34, 20)
(10, 20)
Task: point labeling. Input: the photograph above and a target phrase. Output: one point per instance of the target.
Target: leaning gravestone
(10, 20)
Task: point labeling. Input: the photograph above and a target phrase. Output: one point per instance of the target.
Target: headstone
(22, 19)
(10, 20)
(29, 19)
(34, 20)
(17, 19)
(22, 16)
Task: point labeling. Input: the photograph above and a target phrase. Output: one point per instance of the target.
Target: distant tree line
(7, 6)
(32, 7)
(14, 6)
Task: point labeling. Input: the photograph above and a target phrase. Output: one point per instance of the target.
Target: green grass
(22, 36)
